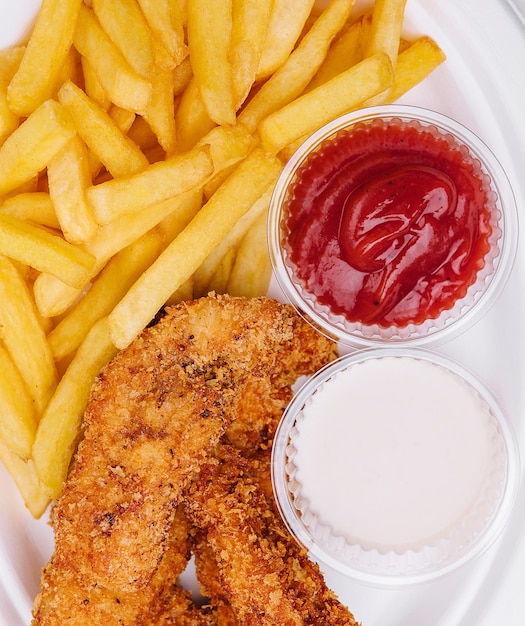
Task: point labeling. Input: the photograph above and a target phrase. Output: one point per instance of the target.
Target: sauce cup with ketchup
(393, 223)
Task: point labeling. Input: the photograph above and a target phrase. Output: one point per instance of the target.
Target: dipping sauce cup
(395, 466)
(395, 224)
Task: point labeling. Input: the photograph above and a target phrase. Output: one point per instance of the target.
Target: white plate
(482, 86)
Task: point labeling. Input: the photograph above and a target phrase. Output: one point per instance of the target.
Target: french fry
(8, 120)
(287, 21)
(174, 223)
(123, 118)
(166, 22)
(160, 181)
(28, 150)
(347, 50)
(45, 54)
(44, 251)
(186, 253)
(23, 336)
(385, 31)
(124, 23)
(26, 479)
(252, 270)
(182, 75)
(192, 120)
(221, 276)
(140, 133)
(414, 65)
(300, 67)
(33, 207)
(17, 415)
(249, 29)
(10, 59)
(160, 113)
(227, 145)
(59, 428)
(68, 177)
(109, 287)
(9, 63)
(92, 87)
(183, 293)
(339, 95)
(203, 276)
(125, 87)
(105, 139)
(209, 34)
(53, 296)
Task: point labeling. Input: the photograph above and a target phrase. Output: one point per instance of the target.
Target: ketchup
(388, 222)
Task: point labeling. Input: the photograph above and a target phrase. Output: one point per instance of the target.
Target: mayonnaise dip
(392, 453)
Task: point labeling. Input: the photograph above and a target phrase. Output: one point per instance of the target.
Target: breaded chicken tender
(260, 573)
(156, 415)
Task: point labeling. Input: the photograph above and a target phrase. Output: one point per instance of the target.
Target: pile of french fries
(140, 141)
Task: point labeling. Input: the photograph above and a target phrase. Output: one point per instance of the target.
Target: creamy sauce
(393, 452)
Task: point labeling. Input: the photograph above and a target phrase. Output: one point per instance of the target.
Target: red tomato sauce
(388, 223)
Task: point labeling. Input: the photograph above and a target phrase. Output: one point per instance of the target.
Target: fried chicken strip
(155, 414)
(261, 571)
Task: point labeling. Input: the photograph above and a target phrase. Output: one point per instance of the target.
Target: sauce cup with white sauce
(395, 466)
(392, 224)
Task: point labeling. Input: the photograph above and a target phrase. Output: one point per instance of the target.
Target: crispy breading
(156, 413)
(261, 571)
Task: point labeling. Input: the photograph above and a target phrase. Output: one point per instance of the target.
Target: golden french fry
(415, 64)
(17, 415)
(92, 87)
(26, 479)
(339, 95)
(125, 87)
(10, 59)
(160, 181)
(105, 139)
(192, 120)
(287, 21)
(252, 271)
(160, 113)
(59, 428)
(23, 336)
(123, 118)
(166, 22)
(141, 134)
(221, 276)
(347, 50)
(203, 276)
(182, 75)
(183, 293)
(33, 207)
(109, 287)
(186, 253)
(127, 28)
(228, 145)
(53, 296)
(68, 177)
(249, 29)
(46, 52)
(300, 67)
(44, 251)
(28, 150)
(174, 223)
(209, 34)
(385, 31)
(8, 120)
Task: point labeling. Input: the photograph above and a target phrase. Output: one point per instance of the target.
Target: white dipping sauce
(392, 453)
